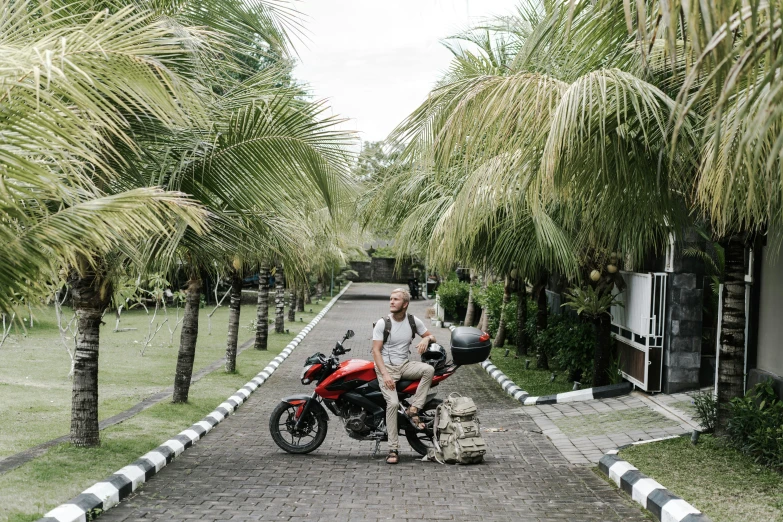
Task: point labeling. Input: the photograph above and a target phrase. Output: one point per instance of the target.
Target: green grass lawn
(535, 382)
(718, 480)
(35, 373)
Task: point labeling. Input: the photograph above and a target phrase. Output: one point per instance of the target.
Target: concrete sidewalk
(584, 431)
(237, 473)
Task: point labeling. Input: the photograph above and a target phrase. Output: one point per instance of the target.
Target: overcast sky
(374, 60)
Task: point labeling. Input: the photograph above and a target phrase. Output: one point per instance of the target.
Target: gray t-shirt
(395, 350)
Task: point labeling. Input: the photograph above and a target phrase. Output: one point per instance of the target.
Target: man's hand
(388, 381)
(423, 344)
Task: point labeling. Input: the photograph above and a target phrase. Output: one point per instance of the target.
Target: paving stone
(236, 472)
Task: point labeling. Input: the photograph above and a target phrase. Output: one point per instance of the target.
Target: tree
(471, 308)
(235, 280)
(500, 336)
(262, 314)
(279, 301)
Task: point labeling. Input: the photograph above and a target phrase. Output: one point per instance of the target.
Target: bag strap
(435, 431)
(387, 325)
(386, 328)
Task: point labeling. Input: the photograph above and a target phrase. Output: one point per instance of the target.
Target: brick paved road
(238, 473)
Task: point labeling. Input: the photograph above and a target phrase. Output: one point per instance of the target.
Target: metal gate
(638, 328)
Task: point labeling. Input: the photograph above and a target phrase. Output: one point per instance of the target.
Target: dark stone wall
(382, 270)
(683, 328)
(364, 269)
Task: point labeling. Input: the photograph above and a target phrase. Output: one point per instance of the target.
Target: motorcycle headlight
(304, 372)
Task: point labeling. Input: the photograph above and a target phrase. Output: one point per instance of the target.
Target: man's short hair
(406, 296)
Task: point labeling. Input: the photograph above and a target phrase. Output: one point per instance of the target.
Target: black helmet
(435, 356)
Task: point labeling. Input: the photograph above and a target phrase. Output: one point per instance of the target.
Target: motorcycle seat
(401, 385)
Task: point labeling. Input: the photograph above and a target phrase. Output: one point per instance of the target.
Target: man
(392, 365)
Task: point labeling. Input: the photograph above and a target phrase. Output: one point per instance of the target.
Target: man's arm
(377, 346)
(425, 341)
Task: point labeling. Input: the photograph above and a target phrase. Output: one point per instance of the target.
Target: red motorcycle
(351, 391)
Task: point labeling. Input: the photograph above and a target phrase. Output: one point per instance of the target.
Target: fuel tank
(349, 375)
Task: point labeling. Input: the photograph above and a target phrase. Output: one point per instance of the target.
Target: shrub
(706, 410)
(571, 344)
(384, 251)
(453, 296)
(756, 425)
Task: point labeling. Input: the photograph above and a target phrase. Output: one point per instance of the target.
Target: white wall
(770, 333)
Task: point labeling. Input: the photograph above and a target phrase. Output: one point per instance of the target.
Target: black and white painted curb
(654, 497)
(111, 491)
(588, 394)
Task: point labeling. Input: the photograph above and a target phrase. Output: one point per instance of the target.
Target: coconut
(595, 275)
(236, 263)
(612, 269)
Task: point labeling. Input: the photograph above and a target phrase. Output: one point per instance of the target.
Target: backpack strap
(386, 328)
(387, 324)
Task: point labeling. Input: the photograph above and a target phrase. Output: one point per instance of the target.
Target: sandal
(393, 457)
(414, 418)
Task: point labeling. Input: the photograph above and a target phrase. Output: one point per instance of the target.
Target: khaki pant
(409, 370)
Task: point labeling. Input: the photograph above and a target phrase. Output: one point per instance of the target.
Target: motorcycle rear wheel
(312, 429)
(421, 440)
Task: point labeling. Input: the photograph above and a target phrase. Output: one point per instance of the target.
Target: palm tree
(58, 132)
(262, 314)
(291, 302)
(279, 301)
(559, 122)
(278, 146)
(235, 280)
(721, 61)
(522, 339)
(500, 336)
(65, 204)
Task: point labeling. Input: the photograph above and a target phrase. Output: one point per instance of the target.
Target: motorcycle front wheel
(310, 434)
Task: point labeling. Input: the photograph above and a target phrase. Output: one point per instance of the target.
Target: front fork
(301, 413)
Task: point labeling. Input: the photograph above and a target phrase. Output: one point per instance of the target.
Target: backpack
(388, 324)
(457, 435)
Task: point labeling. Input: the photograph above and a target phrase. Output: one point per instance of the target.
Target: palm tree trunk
(233, 322)
(187, 342)
(471, 311)
(500, 338)
(484, 319)
(291, 304)
(262, 314)
(732, 335)
(307, 299)
(280, 301)
(319, 289)
(602, 328)
(522, 340)
(542, 316)
(300, 300)
(90, 299)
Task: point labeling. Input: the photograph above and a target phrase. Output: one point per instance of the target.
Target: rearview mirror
(349, 334)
